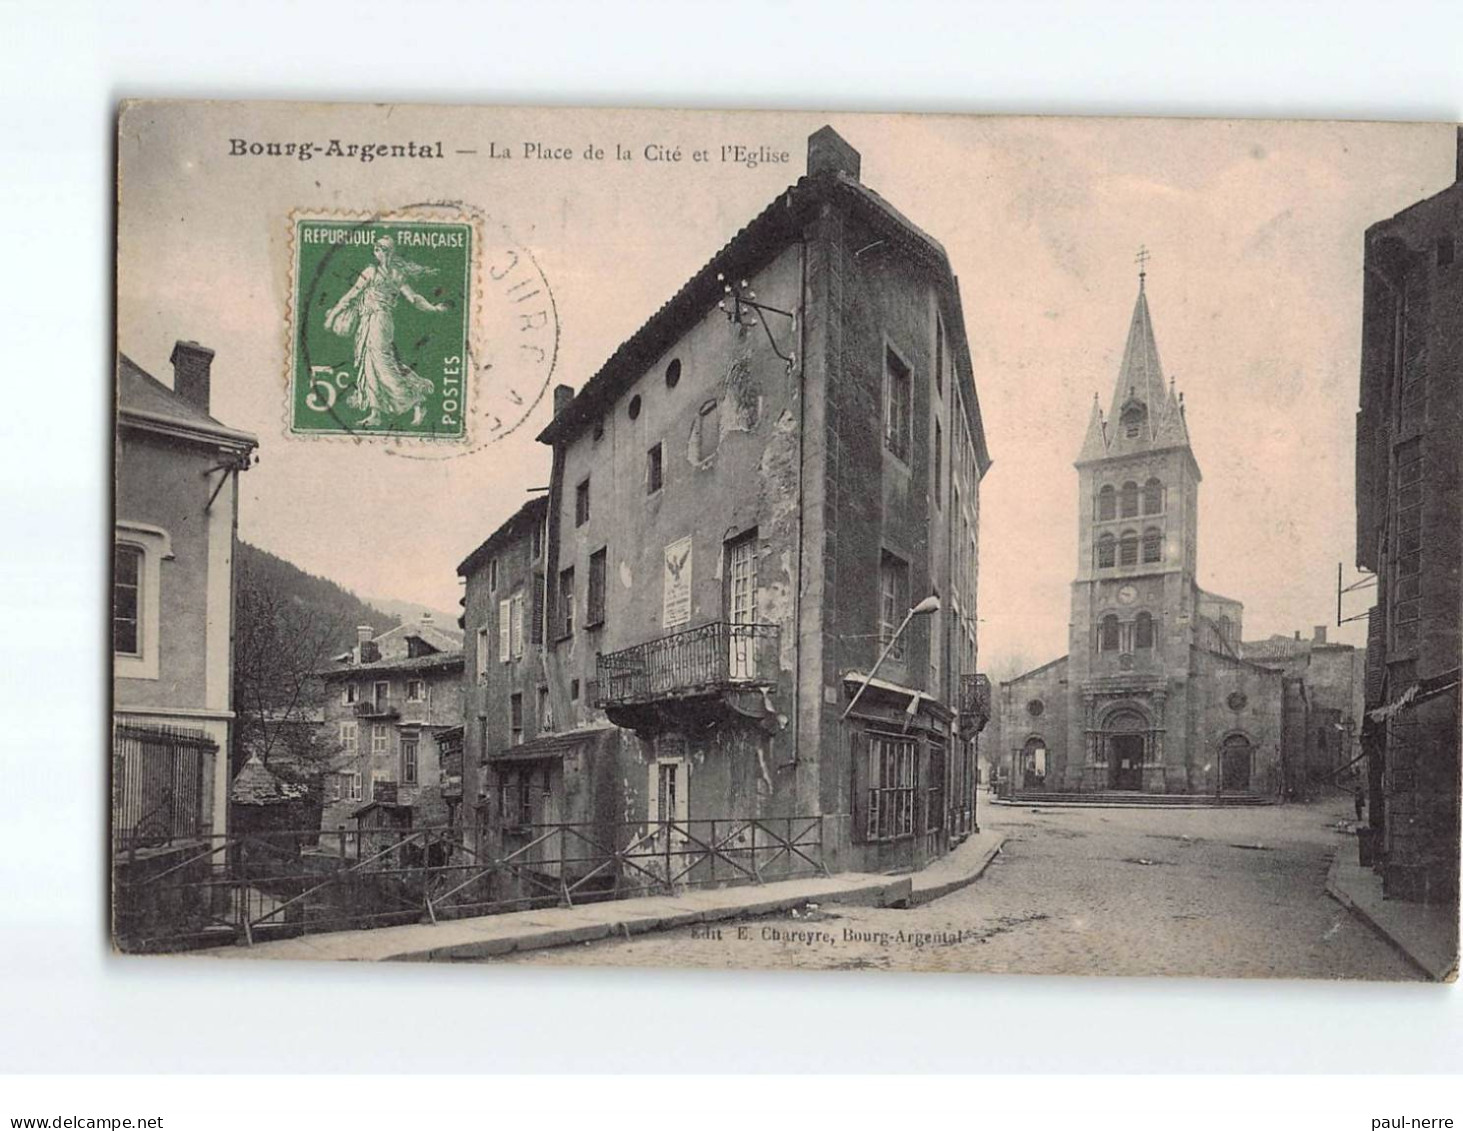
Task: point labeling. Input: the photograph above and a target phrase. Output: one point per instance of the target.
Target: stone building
(746, 501)
(392, 715)
(1155, 694)
(175, 539)
(1408, 433)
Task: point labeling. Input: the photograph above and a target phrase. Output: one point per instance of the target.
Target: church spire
(1140, 377)
(1094, 447)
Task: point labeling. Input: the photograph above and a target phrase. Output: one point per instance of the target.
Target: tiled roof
(445, 659)
(520, 520)
(143, 397)
(775, 227)
(256, 784)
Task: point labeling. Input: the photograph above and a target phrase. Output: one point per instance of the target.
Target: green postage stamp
(381, 310)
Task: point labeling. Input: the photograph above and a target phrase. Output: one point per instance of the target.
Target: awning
(550, 745)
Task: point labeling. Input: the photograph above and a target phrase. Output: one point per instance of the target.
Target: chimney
(364, 632)
(426, 617)
(1297, 634)
(563, 395)
(191, 366)
(829, 153)
(1319, 636)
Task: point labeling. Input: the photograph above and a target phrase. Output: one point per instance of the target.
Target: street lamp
(929, 605)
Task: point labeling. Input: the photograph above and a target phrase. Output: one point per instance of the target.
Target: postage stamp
(380, 318)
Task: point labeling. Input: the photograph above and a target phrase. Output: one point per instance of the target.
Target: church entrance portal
(1234, 764)
(1125, 761)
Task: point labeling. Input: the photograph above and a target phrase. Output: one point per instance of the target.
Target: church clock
(1127, 594)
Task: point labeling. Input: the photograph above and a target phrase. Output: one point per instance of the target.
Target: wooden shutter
(505, 630)
(536, 623)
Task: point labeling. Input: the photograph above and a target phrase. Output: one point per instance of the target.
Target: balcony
(377, 709)
(699, 662)
(975, 703)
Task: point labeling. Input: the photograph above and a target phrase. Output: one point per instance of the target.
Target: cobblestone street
(1199, 892)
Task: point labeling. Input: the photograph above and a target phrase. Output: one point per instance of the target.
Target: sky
(1254, 229)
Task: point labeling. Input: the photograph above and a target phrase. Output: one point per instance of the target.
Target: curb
(1334, 890)
(918, 898)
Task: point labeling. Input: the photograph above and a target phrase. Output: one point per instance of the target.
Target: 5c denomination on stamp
(381, 312)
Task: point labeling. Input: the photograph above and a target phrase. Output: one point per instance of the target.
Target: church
(1155, 695)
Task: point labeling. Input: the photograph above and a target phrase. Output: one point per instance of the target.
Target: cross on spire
(1141, 259)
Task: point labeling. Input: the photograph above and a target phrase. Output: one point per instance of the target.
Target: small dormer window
(1134, 414)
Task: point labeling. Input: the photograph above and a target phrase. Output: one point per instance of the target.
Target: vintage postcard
(787, 540)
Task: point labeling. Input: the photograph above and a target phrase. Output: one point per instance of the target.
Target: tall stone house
(1155, 694)
(392, 719)
(746, 501)
(174, 543)
(1408, 433)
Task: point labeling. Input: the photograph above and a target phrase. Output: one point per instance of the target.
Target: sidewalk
(489, 936)
(1427, 936)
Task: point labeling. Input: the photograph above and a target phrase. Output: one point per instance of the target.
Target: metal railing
(158, 784)
(250, 887)
(711, 656)
(377, 708)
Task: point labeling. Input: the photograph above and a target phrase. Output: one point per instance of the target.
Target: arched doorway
(1033, 764)
(1127, 746)
(1236, 760)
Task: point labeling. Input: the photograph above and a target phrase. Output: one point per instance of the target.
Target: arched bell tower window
(1152, 544)
(1107, 503)
(1107, 552)
(1153, 497)
(1130, 500)
(1143, 631)
(1109, 634)
(1128, 548)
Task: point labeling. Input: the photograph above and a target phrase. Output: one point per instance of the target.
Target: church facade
(1154, 695)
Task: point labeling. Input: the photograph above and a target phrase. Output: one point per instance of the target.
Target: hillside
(324, 603)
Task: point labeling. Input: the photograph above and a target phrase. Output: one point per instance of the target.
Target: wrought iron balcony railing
(975, 702)
(707, 658)
(378, 709)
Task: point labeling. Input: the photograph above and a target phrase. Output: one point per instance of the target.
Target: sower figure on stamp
(384, 384)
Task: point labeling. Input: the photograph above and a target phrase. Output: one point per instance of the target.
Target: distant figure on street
(1360, 801)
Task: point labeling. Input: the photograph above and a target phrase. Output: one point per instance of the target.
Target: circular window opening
(1237, 700)
(1035, 708)
(599, 429)
(635, 406)
(673, 373)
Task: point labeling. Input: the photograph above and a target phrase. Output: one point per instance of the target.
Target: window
(1143, 631)
(381, 695)
(138, 554)
(545, 711)
(379, 736)
(416, 691)
(595, 609)
(1109, 634)
(1153, 544)
(536, 541)
(337, 786)
(893, 601)
(668, 801)
(706, 430)
(898, 388)
(1128, 548)
(740, 600)
(892, 778)
(673, 373)
(409, 761)
(354, 781)
(653, 470)
(348, 737)
(482, 655)
(939, 356)
(349, 694)
(566, 603)
(634, 409)
(1153, 497)
(1107, 503)
(581, 503)
(492, 575)
(574, 690)
(1130, 500)
(510, 628)
(1107, 551)
(515, 718)
(536, 614)
(939, 463)
(127, 600)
